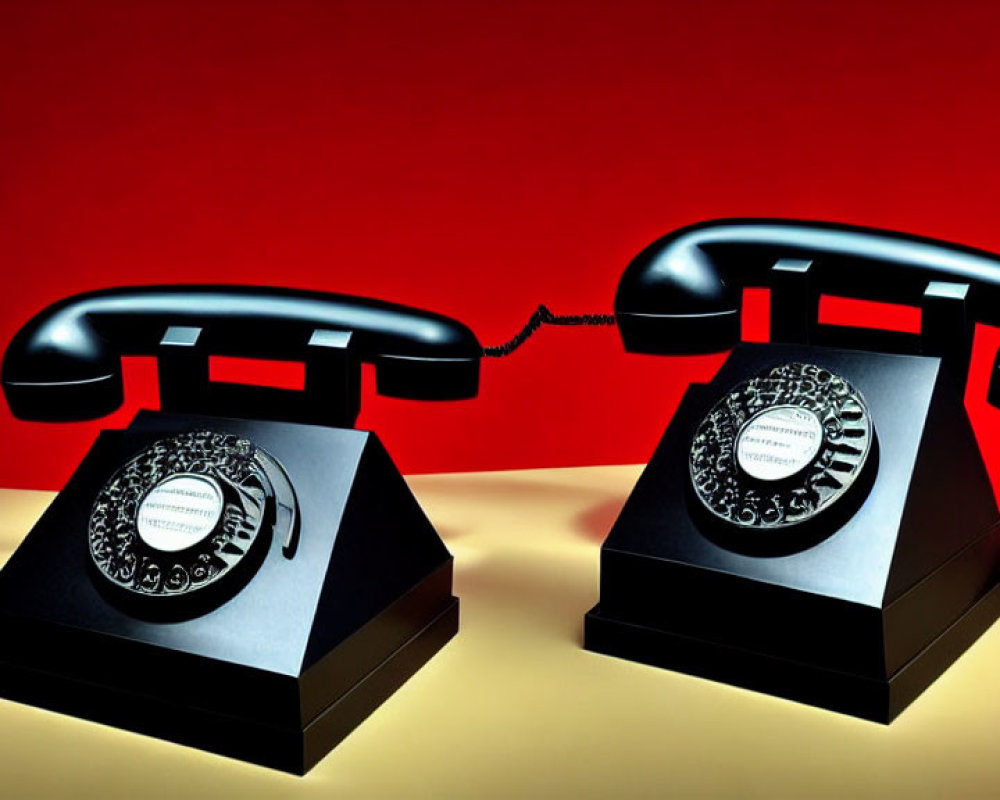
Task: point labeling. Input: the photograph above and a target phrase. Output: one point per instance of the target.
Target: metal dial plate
(780, 448)
(778, 442)
(181, 515)
(179, 512)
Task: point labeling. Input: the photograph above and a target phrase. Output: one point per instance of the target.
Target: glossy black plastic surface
(682, 293)
(66, 362)
(288, 664)
(869, 607)
(841, 619)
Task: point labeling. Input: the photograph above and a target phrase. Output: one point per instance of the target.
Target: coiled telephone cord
(543, 316)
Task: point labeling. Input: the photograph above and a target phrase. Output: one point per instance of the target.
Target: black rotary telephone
(241, 570)
(817, 521)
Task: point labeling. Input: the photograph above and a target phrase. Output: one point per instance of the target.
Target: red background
(476, 159)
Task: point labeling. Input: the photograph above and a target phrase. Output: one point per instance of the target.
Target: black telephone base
(856, 612)
(284, 668)
(289, 750)
(876, 700)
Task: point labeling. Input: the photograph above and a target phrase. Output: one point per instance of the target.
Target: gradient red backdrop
(475, 159)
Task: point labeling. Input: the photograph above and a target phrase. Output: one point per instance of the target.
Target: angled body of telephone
(817, 521)
(241, 571)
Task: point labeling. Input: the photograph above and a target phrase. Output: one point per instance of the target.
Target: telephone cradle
(817, 521)
(241, 571)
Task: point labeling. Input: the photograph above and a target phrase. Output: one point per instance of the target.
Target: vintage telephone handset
(241, 570)
(682, 293)
(817, 521)
(65, 364)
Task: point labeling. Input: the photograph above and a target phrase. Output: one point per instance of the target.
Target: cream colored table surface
(514, 707)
